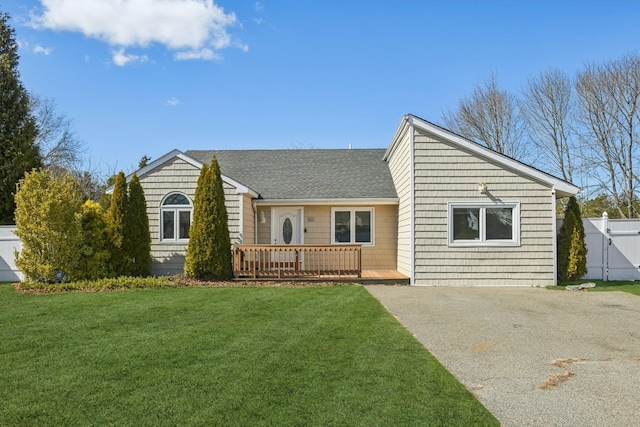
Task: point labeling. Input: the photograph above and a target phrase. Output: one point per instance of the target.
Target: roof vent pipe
(349, 146)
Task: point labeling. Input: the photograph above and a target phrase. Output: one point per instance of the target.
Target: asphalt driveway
(533, 357)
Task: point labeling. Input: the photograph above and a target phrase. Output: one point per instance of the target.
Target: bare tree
(547, 113)
(59, 146)
(609, 99)
(490, 116)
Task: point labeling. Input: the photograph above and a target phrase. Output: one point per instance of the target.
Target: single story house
(434, 206)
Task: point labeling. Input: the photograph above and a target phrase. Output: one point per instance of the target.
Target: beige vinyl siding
(317, 223)
(248, 220)
(264, 229)
(400, 166)
(176, 175)
(445, 173)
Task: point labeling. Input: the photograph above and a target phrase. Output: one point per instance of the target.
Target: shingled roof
(306, 174)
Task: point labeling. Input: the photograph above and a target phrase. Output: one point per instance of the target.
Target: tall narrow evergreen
(572, 249)
(18, 152)
(209, 250)
(137, 236)
(116, 219)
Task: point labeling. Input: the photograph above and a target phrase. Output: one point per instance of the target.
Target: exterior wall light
(482, 187)
(263, 217)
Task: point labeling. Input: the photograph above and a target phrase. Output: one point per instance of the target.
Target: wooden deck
(328, 263)
(368, 277)
(388, 277)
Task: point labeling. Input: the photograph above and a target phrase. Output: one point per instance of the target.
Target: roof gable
(563, 188)
(188, 159)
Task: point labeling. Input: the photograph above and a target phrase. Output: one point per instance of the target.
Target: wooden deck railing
(281, 261)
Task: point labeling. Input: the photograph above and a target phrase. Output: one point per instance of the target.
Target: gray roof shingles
(306, 174)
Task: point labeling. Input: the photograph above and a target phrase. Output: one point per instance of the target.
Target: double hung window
(473, 224)
(175, 214)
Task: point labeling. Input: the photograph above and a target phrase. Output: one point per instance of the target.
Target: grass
(630, 286)
(219, 356)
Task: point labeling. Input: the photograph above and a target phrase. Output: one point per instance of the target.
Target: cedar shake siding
(431, 219)
(447, 173)
(399, 160)
(177, 175)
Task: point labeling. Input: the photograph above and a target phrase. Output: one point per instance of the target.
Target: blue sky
(142, 77)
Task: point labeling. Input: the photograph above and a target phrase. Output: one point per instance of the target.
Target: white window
(352, 225)
(477, 224)
(175, 217)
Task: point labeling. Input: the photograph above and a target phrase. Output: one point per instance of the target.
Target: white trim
(554, 221)
(333, 202)
(240, 188)
(176, 209)
(352, 210)
(560, 186)
(275, 223)
(515, 225)
(240, 236)
(412, 207)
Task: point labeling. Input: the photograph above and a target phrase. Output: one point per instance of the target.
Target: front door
(286, 226)
(286, 229)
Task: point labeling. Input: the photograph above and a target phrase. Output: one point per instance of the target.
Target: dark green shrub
(116, 220)
(209, 250)
(137, 237)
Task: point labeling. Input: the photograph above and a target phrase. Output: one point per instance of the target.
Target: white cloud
(185, 26)
(42, 50)
(172, 102)
(121, 58)
(205, 53)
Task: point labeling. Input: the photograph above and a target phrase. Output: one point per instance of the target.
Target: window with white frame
(175, 217)
(352, 225)
(477, 224)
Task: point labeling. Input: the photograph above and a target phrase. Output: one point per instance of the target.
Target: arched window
(175, 214)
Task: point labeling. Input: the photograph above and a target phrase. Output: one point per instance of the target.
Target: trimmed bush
(209, 250)
(48, 224)
(116, 220)
(137, 236)
(572, 249)
(96, 262)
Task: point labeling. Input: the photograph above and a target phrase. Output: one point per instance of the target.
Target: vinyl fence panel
(613, 248)
(9, 242)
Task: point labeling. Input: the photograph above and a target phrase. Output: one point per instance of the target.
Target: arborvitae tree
(572, 249)
(116, 219)
(209, 250)
(138, 238)
(18, 151)
(48, 224)
(96, 263)
(576, 267)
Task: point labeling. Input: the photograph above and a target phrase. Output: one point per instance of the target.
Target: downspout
(412, 210)
(255, 221)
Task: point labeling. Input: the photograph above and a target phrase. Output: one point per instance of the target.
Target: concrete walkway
(533, 357)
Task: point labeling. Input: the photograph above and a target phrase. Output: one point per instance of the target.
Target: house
(433, 206)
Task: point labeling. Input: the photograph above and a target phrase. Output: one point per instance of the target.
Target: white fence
(613, 248)
(8, 243)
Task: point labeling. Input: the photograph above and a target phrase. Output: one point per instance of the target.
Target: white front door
(286, 226)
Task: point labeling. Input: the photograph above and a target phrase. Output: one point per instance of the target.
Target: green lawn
(219, 356)
(630, 286)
